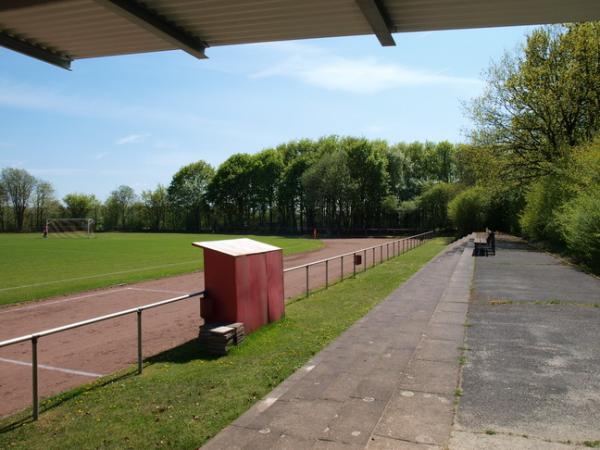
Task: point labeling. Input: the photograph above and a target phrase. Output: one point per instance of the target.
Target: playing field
(32, 267)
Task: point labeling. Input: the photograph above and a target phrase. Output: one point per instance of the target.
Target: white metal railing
(36, 336)
(398, 246)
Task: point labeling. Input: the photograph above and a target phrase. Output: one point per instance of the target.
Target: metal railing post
(307, 285)
(365, 260)
(373, 256)
(326, 274)
(35, 404)
(140, 358)
(354, 264)
(342, 269)
(387, 246)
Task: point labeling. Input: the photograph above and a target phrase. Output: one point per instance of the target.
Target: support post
(140, 359)
(307, 285)
(373, 256)
(342, 269)
(326, 273)
(35, 404)
(387, 249)
(365, 261)
(354, 264)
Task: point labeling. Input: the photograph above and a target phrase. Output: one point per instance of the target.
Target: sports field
(32, 267)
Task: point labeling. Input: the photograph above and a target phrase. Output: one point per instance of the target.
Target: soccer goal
(70, 228)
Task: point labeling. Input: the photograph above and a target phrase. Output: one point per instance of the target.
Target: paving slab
(534, 360)
(368, 388)
(475, 441)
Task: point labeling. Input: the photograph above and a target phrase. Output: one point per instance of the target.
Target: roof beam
(34, 51)
(157, 25)
(378, 19)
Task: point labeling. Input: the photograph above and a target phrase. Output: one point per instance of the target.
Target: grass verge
(34, 268)
(183, 398)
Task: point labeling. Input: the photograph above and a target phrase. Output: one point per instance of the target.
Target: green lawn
(32, 267)
(183, 398)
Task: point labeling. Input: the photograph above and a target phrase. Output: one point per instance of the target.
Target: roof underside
(65, 30)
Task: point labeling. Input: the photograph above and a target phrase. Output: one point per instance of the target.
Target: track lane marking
(44, 303)
(56, 369)
(96, 276)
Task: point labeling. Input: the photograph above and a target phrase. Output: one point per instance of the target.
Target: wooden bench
(485, 243)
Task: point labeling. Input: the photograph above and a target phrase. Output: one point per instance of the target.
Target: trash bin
(243, 281)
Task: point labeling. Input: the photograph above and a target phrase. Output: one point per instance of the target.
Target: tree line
(530, 166)
(337, 185)
(533, 163)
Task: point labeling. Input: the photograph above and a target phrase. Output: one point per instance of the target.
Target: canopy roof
(60, 31)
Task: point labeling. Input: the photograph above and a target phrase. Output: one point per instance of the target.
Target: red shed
(243, 282)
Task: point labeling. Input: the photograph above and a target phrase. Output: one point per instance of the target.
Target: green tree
(79, 205)
(433, 203)
(328, 187)
(231, 190)
(156, 207)
(187, 194)
(117, 207)
(18, 185)
(468, 211)
(268, 166)
(542, 102)
(367, 164)
(43, 199)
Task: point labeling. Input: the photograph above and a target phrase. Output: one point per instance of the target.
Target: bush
(543, 201)
(434, 205)
(468, 211)
(580, 225)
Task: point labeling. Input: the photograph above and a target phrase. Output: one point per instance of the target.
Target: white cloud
(321, 68)
(132, 139)
(101, 155)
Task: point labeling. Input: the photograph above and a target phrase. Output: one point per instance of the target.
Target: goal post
(70, 228)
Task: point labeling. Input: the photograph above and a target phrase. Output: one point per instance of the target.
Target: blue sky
(136, 119)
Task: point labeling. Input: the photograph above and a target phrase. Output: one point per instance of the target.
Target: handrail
(97, 319)
(321, 261)
(35, 336)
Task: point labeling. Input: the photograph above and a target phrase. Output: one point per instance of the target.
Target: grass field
(32, 267)
(183, 397)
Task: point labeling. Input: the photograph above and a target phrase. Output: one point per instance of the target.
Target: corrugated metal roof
(85, 28)
(237, 247)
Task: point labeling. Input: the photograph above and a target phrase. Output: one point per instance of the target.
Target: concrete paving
(532, 380)
(388, 382)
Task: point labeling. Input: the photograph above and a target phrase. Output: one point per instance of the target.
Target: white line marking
(96, 276)
(57, 369)
(162, 291)
(42, 303)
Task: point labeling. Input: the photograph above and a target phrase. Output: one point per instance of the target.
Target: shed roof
(237, 247)
(59, 31)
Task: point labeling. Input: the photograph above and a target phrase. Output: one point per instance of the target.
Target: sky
(136, 119)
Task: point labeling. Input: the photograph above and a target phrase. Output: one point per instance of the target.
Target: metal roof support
(152, 22)
(378, 19)
(34, 51)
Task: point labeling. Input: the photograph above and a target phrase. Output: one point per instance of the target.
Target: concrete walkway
(532, 380)
(388, 382)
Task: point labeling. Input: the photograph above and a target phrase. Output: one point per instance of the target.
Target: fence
(36, 336)
(398, 247)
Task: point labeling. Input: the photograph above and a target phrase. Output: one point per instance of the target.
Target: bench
(485, 243)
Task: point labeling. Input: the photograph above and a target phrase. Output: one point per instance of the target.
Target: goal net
(70, 228)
